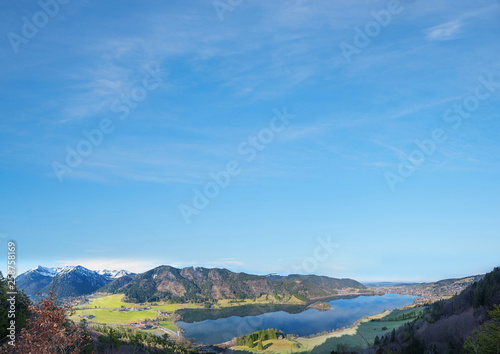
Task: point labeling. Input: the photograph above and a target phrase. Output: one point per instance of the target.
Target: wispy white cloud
(305, 131)
(444, 32)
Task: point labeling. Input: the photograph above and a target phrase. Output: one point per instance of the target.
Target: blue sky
(345, 170)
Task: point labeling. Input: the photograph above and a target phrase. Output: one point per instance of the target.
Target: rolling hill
(446, 324)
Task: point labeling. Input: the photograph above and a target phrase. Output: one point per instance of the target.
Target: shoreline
(307, 344)
(252, 309)
(352, 329)
(360, 333)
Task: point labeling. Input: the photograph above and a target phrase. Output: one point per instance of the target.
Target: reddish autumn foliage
(48, 331)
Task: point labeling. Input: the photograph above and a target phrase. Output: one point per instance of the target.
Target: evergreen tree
(393, 335)
(240, 341)
(259, 345)
(487, 339)
(22, 304)
(250, 342)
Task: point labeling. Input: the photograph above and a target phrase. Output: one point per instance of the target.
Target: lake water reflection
(311, 321)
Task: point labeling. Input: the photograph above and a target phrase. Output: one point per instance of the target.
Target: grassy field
(169, 325)
(105, 302)
(116, 301)
(174, 307)
(273, 345)
(408, 313)
(113, 316)
(264, 300)
(105, 309)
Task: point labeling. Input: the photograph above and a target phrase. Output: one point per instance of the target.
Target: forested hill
(203, 284)
(330, 283)
(446, 324)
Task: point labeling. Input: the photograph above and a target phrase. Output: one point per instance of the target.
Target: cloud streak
(445, 32)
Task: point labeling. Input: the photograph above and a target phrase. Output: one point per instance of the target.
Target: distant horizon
(361, 280)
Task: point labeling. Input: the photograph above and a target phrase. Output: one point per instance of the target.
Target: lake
(344, 312)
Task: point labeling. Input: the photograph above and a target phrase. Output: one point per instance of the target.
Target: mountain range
(186, 284)
(66, 281)
(208, 284)
(205, 284)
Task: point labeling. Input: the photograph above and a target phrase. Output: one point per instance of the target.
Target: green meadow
(106, 310)
(113, 316)
(169, 325)
(105, 302)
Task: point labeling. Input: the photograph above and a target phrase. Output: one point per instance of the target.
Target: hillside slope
(34, 280)
(203, 284)
(75, 281)
(327, 282)
(446, 323)
(430, 292)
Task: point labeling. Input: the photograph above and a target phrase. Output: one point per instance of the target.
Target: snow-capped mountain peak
(52, 272)
(113, 274)
(48, 272)
(75, 269)
(67, 281)
(43, 271)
